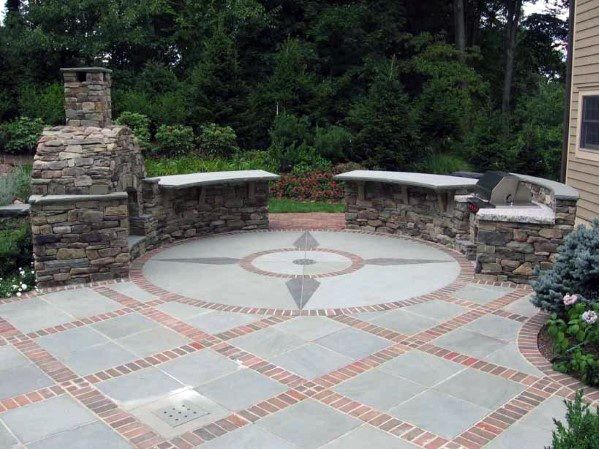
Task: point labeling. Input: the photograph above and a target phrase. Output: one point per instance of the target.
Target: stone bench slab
(537, 213)
(560, 191)
(14, 210)
(212, 178)
(435, 182)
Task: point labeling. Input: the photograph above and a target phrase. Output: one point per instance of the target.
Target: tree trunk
(513, 12)
(460, 25)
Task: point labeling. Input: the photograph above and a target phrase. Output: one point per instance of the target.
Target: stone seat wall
(79, 238)
(187, 211)
(505, 244)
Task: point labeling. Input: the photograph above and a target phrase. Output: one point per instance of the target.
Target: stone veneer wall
(504, 251)
(80, 238)
(87, 96)
(75, 160)
(512, 251)
(188, 211)
(415, 211)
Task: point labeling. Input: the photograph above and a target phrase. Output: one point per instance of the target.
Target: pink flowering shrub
(576, 338)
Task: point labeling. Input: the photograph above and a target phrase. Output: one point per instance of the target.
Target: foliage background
(314, 82)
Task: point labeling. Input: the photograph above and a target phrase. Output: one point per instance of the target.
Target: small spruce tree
(575, 271)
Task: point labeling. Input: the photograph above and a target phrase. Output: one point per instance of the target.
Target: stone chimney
(87, 96)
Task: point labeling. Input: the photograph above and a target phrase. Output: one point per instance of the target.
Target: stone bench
(183, 206)
(417, 204)
(507, 242)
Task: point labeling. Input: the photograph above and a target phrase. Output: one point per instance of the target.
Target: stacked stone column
(79, 238)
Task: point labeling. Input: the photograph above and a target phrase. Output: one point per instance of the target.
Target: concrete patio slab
(81, 302)
(440, 413)
(379, 390)
(325, 424)
(33, 314)
(310, 328)
(124, 326)
(480, 388)
(133, 291)
(249, 437)
(135, 389)
(495, 327)
(481, 294)
(367, 436)
(421, 368)
(22, 379)
(353, 343)
(241, 389)
(311, 361)
(510, 357)
(262, 373)
(7, 439)
(470, 343)
(200, 367)
(268, 343)
(90, 436)
(438, 310)
(152, 341)
(216, 322)
(41, 420)
(403, 321)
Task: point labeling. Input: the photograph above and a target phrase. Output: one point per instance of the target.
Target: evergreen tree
(383, 122)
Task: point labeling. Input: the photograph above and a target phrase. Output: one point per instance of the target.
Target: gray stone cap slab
(49, 199)
(436, 182)
(86, 69)
(560, 191)
(15, 210)
(211, 178)
(535, 213)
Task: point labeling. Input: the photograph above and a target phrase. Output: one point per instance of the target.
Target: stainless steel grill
(496, 188)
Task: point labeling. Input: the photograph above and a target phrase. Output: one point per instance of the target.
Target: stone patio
(282, 340)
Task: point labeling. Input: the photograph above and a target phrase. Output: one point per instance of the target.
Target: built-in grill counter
(507, 223)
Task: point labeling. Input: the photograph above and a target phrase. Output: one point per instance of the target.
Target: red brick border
(247, 263)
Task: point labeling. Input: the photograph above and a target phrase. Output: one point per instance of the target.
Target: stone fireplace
(92, 207)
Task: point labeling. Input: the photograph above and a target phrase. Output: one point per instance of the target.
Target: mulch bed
(545, 343)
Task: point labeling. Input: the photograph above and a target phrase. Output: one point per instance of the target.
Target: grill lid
(488, 182)
(501, 188)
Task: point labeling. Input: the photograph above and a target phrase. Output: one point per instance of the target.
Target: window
(589, 123)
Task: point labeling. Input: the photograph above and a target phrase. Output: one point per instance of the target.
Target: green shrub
(15, 246)
(46, 103)
(192, 163)
(139, 124)
(575, 271)
(216, 140)
(574, 338)
(443, 164)
(175, 139)
(308, 160)
(290, 136)
(581, 430)
(333, 143)
(383, 123)
(21, 135)
(15, 184)
(18, 283)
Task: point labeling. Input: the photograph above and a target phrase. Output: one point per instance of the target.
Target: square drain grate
(180, 413)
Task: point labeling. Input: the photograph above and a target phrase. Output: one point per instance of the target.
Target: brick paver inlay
(285, 340)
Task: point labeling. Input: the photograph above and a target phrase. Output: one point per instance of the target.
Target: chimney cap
(86, 69)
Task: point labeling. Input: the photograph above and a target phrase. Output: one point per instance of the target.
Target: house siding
(582, 173)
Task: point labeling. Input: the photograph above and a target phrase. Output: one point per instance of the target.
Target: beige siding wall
(582, 169)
